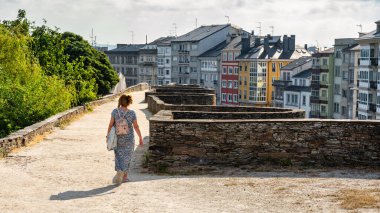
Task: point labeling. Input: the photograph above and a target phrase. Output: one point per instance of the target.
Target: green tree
(26, 94)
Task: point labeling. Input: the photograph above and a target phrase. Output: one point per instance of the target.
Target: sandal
(118, 179)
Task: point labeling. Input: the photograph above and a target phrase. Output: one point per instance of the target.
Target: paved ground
(71, 171)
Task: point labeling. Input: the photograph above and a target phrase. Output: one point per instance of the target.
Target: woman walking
(125, 121)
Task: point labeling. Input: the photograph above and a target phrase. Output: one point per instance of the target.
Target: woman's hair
(125, 100)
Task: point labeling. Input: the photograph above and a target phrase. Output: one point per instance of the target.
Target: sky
(314, 22)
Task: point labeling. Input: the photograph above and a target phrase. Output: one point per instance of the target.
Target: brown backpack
(121, 124)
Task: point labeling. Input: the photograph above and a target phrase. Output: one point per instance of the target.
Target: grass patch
(359, 198)
(3, 152)
(231, 183)
(162, 167)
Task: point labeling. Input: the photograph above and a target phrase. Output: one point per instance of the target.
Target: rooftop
(201, 33)
(296, 63)
(303, 74)
(126, 48)
(214, 52)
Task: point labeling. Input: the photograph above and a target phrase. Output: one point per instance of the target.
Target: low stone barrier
(155, 104)
(24, 136)
(188, 145)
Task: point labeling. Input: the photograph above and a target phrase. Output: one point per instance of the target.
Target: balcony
(374, 61)
(368, 61)
(147, 63)
(183, 51)
(183, 62)
(323, 98)
(373, 84)
(363, 84)
(314, 98)
(372, 107)
(281, 83)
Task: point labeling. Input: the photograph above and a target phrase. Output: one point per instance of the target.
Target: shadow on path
(70, 195)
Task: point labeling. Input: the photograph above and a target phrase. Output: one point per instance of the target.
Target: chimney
(266, 44)
(377, 26)
(257, 41)
(361, 34)
(245, 43)
(305, 46)
(285, 44)
(292, 43)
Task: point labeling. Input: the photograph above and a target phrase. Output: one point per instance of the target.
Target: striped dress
(125, 143)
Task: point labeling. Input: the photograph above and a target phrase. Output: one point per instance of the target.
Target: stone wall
(155, 104)
(180, 145)
(238, 115)
(26, 135)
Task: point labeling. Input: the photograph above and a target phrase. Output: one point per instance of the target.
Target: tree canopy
(44, 71)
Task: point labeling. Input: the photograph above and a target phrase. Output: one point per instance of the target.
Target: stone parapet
(183, 145)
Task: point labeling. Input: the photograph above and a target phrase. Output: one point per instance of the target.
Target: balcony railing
(184, 51)
(368, 61)
(281, 83)
(372, 107)
(373, 84)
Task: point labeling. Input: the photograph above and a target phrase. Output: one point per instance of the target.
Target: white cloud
(112, 20)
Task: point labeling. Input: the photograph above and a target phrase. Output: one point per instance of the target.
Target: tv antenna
(228, 19)
(132, 35)
(175, 29)
(259, 28)
(272, 27)
(92, 36)
(361, 27)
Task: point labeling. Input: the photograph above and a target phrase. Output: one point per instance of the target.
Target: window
(224, 84)
(235, 98)
(337, 71)
(324, 93)
(224, 70)
(273, 79)
(336, 107)
(296, 82)
(229, 98)
(236, 84)
(337, 89)
(324, 77)
(324, 62)
(194, 47)
(167, 72)
(230, 70)
(236, 71)
(229, 84)
(344, 110)
(223, 96)
(303, 100)
(230, 56)
(338, 53)
(273, 67)
(292, 99)
(224, 56)
(323, 108)
(364, 53)
(344, 93)
(167, 61)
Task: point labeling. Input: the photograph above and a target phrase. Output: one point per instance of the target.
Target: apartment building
(210, 64)
(297, 95)
(287, 72)
(229, 88)
(187, 48)
(164, 61)
(322, 80)
(368, 76)
(261, 65)
(124, 59)
(343, 78)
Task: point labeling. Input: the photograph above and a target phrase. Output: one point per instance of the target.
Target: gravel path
(71, 171)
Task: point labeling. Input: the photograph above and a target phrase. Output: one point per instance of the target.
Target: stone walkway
(71, 171)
